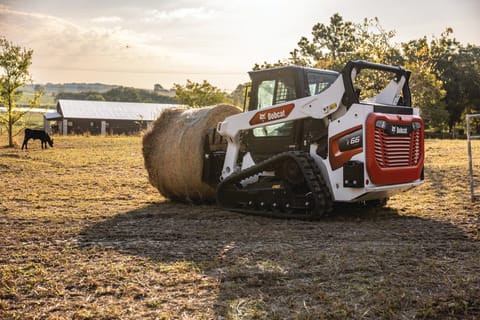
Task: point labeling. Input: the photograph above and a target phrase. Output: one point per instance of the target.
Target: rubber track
(312, 176)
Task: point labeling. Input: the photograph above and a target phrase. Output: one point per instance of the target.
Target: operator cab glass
(284, 84)
(318, 82)
(271, 92)
(281, 85)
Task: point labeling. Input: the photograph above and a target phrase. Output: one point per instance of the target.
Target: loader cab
(283, 84)
(276, 86)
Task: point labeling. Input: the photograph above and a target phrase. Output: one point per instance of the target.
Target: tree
(199, 94)
(333, 45)
(14, 64)
(459, 69)
(157, 87)
(427, 89)
(95, 96)
(238, 95)
(375, 44)
(125, 94)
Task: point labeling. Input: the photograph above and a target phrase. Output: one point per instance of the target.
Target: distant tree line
(74, 87)
(125, 94)
(445, 80)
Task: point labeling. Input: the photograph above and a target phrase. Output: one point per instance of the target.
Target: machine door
(273, 89)
(265, 141)
(276, 88)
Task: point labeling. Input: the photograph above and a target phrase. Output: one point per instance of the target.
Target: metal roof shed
(100, 117)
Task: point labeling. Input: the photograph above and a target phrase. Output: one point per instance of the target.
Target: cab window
(271, 92)
(265, 93)
(318, 82)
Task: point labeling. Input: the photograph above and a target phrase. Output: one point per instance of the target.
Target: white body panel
(328, 106)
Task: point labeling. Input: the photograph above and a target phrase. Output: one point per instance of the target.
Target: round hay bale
(173, 151)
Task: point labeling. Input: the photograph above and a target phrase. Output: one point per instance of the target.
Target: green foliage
(333, 45)
(238, 95)
(95, 96)
(420, 57)
(279, 63)
(199, 94)
(458, 67)
(14, 64)
(122, 94)
(375, 43)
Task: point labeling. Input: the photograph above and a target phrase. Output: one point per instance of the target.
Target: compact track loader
(308, 140)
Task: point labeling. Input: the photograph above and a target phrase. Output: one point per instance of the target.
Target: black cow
(37, 134)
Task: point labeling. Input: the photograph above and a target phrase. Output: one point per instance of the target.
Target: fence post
(470, 137)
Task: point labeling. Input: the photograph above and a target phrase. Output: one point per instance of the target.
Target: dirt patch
(84, 236)
(358, 264)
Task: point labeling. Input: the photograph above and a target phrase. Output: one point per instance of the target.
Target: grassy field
(84, 236)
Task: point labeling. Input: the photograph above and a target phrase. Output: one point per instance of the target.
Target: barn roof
(80, 109)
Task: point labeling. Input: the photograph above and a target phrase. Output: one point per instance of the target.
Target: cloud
(200, 13)
(10, 16)
(59, 43)
(102, 19)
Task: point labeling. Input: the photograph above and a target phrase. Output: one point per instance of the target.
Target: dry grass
(84, 236)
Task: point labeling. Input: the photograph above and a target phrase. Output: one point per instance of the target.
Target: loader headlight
(416, 125)
(382, 124)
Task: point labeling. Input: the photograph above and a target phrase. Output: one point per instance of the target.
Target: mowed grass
(83, 235)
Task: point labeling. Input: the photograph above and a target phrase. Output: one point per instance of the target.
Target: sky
(140, 43)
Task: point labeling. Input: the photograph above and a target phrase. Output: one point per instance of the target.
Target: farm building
(101, 117)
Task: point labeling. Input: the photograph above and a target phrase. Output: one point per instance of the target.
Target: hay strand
(173, 151)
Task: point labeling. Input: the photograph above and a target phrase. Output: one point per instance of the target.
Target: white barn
(102, 117)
